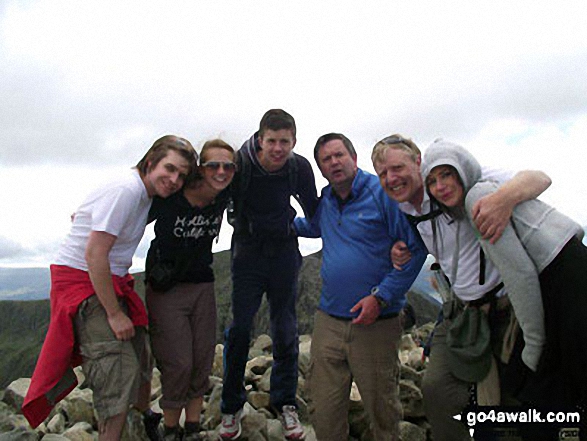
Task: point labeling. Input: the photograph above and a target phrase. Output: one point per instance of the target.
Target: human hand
(491, 215)
(400, 255)
(370, 310)
(121, 325)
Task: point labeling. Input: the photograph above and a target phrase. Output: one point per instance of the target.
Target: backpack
(241, 183)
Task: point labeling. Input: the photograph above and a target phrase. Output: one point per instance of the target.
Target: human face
(167, 176)
(399, 175)
(218, 168)
(444, 184)
(276, 146)
(337, 165)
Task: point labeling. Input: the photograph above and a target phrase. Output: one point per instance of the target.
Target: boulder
(15, 393)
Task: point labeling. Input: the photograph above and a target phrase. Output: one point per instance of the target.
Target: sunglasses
(215, 165)
(393, 140)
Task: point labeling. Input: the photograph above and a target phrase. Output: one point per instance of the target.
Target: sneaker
(151, 422)
(292, 428)
(231, 425)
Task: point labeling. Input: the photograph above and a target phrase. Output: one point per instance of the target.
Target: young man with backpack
(266, 259)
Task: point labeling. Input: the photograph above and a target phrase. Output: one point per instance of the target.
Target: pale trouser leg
(329, 379)
(375, 367)
(444, 394)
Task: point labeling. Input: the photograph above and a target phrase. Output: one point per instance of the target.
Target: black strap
(415, 220)
(481, 267)
(488, 297)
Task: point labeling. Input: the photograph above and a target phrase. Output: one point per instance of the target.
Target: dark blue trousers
(257, 268)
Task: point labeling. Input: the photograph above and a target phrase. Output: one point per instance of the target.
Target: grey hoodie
(516, 267)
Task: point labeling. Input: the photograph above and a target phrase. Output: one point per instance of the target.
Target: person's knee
(443, 396)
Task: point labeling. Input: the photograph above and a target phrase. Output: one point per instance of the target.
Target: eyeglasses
(215, 165)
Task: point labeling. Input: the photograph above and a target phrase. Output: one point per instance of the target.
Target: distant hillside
(23, 325)
(24, 283)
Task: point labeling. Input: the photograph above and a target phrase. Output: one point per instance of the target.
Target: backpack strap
(239, 186)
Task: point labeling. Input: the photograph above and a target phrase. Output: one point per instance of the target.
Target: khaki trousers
(342, 352)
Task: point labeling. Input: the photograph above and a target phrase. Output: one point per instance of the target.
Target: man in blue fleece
(266, 259)
(358, 323)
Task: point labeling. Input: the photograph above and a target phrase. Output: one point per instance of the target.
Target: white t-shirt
(464, 278)
(119, 208)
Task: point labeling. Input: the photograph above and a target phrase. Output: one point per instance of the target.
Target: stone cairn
(74, 419)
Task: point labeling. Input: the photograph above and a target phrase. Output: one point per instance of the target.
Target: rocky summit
(74, 419)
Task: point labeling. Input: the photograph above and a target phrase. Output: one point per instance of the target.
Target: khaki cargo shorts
(114, 369)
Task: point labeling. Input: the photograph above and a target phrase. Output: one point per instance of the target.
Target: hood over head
(442, 152)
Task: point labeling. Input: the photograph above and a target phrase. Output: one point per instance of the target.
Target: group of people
(503, 252)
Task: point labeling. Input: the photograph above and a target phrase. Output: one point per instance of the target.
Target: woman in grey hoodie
(540, 251)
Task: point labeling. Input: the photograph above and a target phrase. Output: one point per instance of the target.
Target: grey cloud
(10, 249)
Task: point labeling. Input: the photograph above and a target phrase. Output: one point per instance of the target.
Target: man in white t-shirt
(397, 163)
(94, 308)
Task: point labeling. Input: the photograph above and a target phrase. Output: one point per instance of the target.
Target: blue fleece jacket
(357, 238)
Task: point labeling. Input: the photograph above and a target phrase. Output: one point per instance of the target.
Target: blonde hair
(396, 142)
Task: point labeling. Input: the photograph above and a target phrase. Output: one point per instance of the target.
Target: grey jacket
(535, 236)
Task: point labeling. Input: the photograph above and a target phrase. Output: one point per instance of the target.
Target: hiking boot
(292, 428)
(231, 425)
(192, 436)
(172, 434)
(151, 422)
(191, 431)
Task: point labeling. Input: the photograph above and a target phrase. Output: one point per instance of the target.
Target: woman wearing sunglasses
(180, 287)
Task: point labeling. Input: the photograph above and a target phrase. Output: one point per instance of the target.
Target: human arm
(392, 288)
(306, 187)
(370, 310)
(492, 213)
(520, 278)
(99, 245)
(308, 227)
(97, 250)
(400, 254)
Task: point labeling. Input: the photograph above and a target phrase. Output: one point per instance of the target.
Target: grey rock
(264, 384)
(259, 365)
(411, 432)
(15, 393)
(134, 429)
(212, 415)
(263, 343)
(56, 424)
(78, 407)
(259, 400)
(19, 434)
(254, 426)
(217, 365)
(409, 373)
(81, 431)
(411, 398)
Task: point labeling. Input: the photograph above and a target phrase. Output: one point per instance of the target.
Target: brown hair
(331, 137)
(277, 119)
(161, 147)
(217, 143)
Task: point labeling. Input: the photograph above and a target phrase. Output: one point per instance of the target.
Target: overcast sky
(86, 87)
